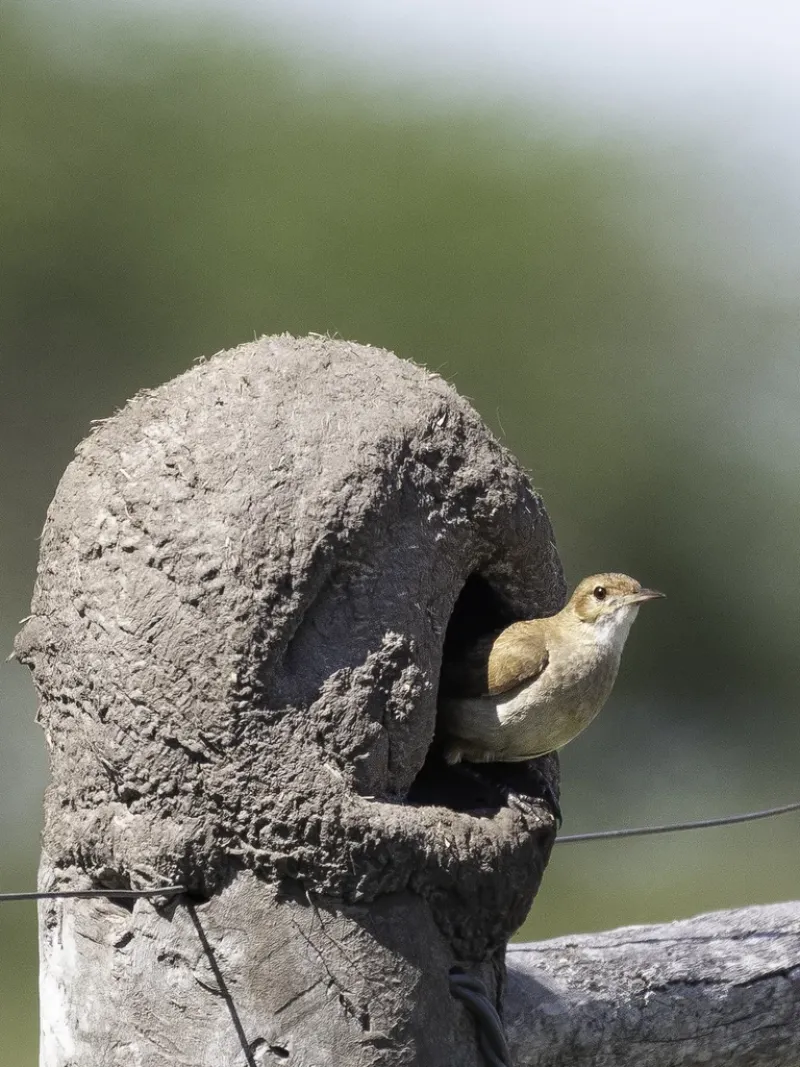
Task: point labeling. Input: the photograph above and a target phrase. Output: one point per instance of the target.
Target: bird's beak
(645, 594)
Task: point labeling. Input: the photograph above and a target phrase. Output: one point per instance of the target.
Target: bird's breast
(550, 711)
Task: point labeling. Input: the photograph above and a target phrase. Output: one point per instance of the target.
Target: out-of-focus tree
(163, 196)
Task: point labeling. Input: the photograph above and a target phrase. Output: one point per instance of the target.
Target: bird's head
(609, 600)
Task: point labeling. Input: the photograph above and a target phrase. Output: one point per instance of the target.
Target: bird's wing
(497, 663)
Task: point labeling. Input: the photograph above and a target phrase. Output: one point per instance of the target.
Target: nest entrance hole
(479, 610)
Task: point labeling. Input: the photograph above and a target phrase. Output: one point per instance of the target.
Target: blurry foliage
(164, 196)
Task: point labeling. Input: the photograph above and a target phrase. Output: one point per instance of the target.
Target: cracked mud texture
(245, 583)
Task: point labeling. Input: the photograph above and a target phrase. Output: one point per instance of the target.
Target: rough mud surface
(245, 584)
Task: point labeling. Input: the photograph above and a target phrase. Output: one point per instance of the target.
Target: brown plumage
(498, 662)
(534, 686)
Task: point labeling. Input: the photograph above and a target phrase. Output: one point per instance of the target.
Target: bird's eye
(599, 592)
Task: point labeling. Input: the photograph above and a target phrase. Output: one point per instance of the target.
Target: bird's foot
(525, 802)
(515, 785)
(545, 791)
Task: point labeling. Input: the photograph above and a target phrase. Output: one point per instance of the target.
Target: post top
(245, 583)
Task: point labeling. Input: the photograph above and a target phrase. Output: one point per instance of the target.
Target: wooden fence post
(722, 990)
(246, 581)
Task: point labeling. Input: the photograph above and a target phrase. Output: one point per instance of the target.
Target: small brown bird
(531, 688)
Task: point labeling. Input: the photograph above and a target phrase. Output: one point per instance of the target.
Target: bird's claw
(519, 786)
(538, 785)
(525, 804)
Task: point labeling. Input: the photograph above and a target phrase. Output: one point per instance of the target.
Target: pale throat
(611, 631)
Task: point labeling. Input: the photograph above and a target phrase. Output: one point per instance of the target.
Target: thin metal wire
(222, 986)
(83, 894)
(568, 839)
(669, 828)
(491, 1035)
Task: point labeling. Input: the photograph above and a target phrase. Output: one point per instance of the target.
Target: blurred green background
(605, 302)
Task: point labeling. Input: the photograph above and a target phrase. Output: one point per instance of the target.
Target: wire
(568, 839)
(702, 824)
(491, 1036)
(82, 894)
